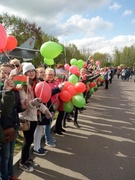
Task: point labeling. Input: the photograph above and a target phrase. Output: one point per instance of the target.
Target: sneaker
(51, 144)
(54, 140)
(14, 178)
(26, 167)
(40, 152)
(43, 149)
(33, 163)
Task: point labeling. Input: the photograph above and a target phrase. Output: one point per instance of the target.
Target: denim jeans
(6, 156)
(48, 137)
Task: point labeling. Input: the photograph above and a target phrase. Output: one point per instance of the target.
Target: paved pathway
(103, 148)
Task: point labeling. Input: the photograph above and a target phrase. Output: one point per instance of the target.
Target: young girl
(27, 92)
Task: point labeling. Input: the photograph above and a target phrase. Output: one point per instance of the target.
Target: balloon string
(6, 55)
(42, 90)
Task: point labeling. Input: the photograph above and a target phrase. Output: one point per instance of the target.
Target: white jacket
(31, 112)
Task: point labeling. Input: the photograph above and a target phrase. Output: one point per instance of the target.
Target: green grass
(19, 143)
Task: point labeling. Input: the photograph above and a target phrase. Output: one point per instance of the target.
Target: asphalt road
(102, 149)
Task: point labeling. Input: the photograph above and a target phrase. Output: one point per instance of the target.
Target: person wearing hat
(28, 92)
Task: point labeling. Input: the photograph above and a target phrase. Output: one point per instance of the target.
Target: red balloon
(66, 84)
(3, 38)
(80, 87)
(85, 64)
(73, 69)
(92, 84)
(78, 73)
(11, 43)
(97, 63)
(43, 91)
(71, 89)
(65, 96)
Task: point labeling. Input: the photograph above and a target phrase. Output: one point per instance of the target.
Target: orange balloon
(65, 96)
(66, 84)
(11, 43)
(80, 87)
(71, 89)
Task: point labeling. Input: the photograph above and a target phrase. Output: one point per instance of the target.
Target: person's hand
(13, 72)
(25, 104)
(8, 84)
(61, 85)
(36, 102)
(45, 111)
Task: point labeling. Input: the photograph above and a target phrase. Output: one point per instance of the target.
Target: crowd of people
(125, 73)
(25, 105)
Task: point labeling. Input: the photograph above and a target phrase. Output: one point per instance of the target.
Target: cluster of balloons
(74, 69)
(50, 50)
(72, 95)
(7, 43)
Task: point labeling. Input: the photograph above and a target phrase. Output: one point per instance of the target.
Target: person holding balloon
(45, 121)
(56, 101)
(27, 92)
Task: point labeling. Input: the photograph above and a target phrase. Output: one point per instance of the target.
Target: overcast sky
(93, 25)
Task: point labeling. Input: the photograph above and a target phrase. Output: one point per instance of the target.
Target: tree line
(22, 29)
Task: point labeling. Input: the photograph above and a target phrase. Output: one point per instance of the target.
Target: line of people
(40, 115)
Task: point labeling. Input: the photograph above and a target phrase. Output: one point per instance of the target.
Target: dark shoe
(26, 167)
(58, 132)
(77, 125)
(40, 152)
(69, 119)
(63, 130)
(33, 163)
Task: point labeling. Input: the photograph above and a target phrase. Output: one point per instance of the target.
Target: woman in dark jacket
(10, 121)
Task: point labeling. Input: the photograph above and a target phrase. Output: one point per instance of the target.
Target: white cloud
(73, 21)
(101, 44)
(127, 12)
(77, 24)
(115, 6)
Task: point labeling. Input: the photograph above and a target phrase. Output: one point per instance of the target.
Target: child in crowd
(27, 92)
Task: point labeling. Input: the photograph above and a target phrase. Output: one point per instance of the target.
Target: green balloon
(50, 49)
(80, 62)
(73, 61)
(68, 106)
(79, 66)
(73, 79)
(91, 90)
(102, 77)
(78, 101)
(49, 61)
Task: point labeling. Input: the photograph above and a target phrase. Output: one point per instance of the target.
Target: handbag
(9, 134)
(24, 124)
